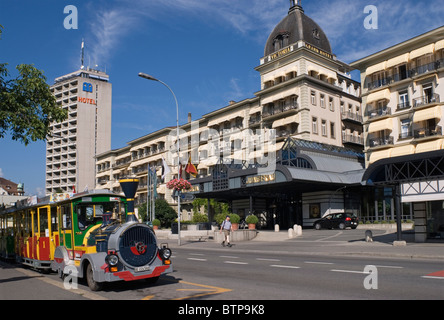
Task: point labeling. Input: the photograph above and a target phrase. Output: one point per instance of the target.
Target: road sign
(187, 196)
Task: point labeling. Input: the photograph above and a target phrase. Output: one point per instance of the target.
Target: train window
(85, 216)
(28, 223)
(43, 215)
(54, 220)
(36, 224)
(66, 216)
(99, 211)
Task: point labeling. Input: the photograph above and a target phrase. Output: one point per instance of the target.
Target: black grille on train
(138, 246)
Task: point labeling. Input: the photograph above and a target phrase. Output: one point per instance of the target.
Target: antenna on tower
(83, 53)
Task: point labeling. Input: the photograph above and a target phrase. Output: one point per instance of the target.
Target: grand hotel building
(377, 153)
(403, 108)
(308, 97)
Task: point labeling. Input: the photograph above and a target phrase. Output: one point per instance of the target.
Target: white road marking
(350, 271)
(281, 266)
(432, 277)
(197, 259)
(264, 259)
(235, 262)
(318, 262)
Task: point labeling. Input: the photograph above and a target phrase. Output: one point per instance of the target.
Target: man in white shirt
(227, 228)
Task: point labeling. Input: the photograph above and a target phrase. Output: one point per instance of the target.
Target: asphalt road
(256, 271)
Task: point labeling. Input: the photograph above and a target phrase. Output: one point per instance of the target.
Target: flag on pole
(191, 168)
(165, 168)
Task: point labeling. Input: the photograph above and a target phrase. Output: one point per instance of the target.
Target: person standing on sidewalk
(227, 228)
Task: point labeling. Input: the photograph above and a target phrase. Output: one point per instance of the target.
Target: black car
(337, 220)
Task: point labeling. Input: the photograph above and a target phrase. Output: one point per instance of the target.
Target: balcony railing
(407, 74)
(348, 138)
(379, 112)
(278, 109)
(427, 132)
(433, 98)
(348, 115)
(382, 141)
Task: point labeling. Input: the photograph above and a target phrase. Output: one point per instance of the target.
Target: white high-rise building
(74, 143)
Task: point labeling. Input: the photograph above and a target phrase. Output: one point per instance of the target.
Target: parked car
(337, 220)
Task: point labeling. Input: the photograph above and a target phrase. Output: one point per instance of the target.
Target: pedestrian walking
(226, 227)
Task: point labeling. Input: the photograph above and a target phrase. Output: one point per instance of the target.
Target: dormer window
(281, 41)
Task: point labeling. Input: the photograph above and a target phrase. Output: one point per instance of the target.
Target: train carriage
(92, 235)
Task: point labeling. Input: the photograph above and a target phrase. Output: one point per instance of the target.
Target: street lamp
(148, 77)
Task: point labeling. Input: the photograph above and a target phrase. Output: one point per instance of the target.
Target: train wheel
(92, 284)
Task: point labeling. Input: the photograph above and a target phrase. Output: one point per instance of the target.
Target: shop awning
(427, 114)
(376, 68)
(422, 51)
(379, 155)
(439, 45)
(285, 121)
(403, 150)
(430, 146)
(386, 124)
(404, 58)
(379, 95)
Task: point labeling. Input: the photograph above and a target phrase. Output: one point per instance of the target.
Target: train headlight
(166, 253)
(112, 260)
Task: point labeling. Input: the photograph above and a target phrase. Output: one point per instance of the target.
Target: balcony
(379, 112)
(381, 141)
(276, 110)
(427, 132)
(414, 72)
(348, 138)
(352, 116)
(425, 100)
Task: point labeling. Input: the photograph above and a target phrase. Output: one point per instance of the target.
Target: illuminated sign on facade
(86, 100)
(87, 87)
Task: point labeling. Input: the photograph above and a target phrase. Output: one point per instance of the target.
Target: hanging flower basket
(178, 184)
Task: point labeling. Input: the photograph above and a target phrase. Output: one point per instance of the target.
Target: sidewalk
(270, 242)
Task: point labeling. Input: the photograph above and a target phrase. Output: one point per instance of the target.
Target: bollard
(368, 236)
(276, 228)
(291, 233)
(299, 230)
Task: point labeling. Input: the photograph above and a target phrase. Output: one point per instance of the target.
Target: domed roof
(294, 27)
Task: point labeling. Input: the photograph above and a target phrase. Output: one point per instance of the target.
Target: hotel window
(428, 93)
(324, 128)
(405, 128)
(332, 130)
(331, 104)
(403, 100)
(315, 125)
(313, 98)
(322, 101)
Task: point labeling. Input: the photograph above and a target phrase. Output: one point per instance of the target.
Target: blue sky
(205, 50)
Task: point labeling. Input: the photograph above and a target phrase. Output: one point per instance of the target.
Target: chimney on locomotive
(129, 188)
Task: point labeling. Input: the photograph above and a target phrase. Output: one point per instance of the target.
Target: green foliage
(234, 218)
(252, 219)
(164, 213)
(156, 222)
(219, 218)
(199, 217)
(27, 106)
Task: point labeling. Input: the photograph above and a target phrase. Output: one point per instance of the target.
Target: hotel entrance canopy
(301, 167)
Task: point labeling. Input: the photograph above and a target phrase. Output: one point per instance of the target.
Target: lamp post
(148, 77)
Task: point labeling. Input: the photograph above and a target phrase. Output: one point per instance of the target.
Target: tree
(164, 212)
(27, 106)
